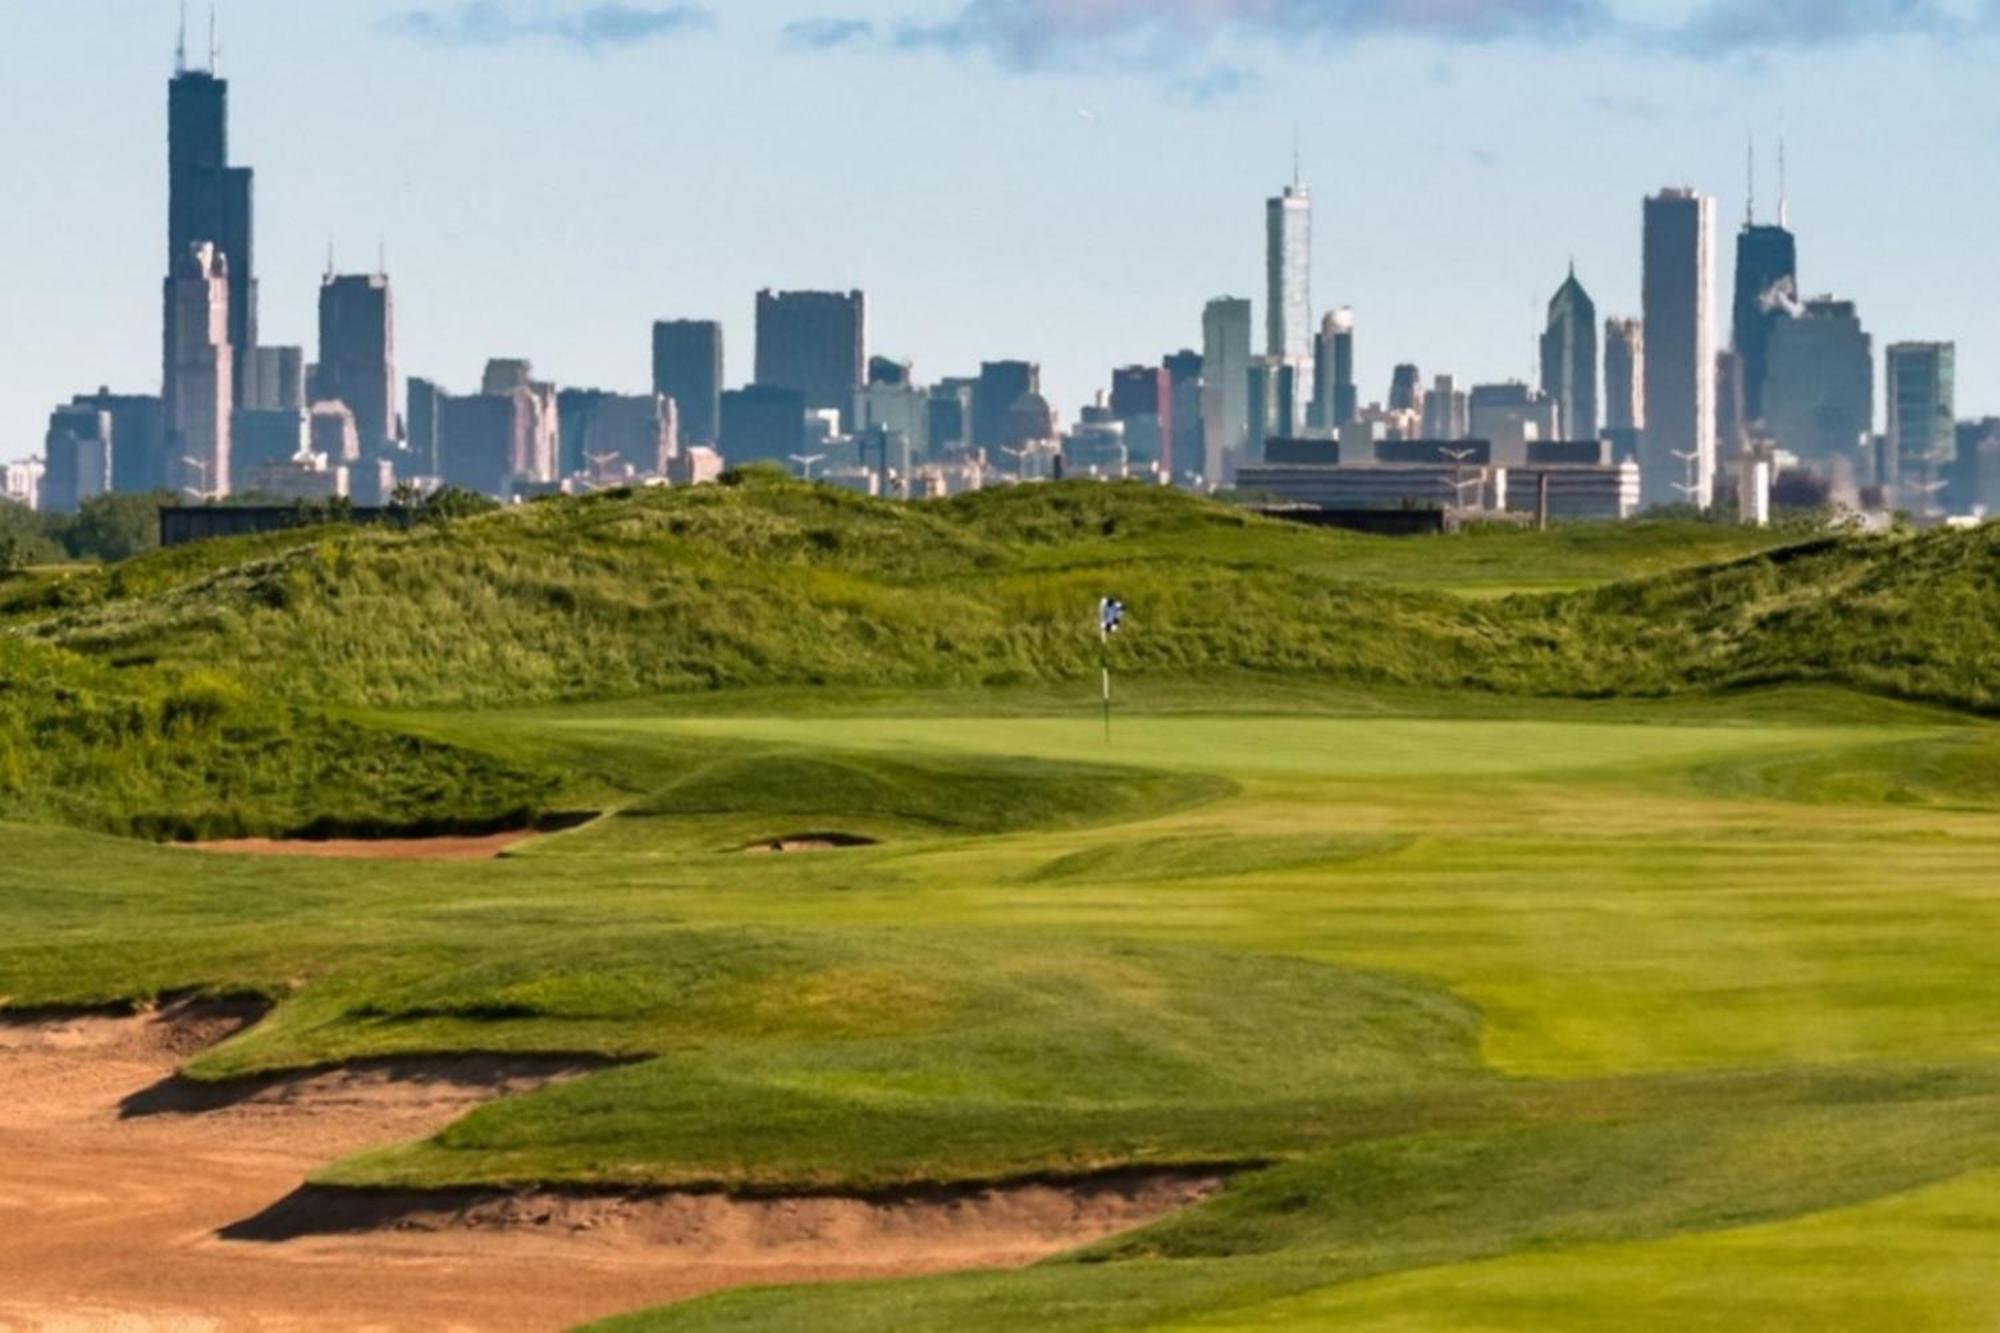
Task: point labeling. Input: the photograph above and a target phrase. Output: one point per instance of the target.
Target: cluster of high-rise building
(1630, 412)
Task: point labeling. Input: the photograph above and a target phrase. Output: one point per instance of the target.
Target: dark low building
(181, 524)
(762, 423)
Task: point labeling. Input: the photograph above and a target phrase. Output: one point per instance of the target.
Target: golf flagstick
(1110, 616)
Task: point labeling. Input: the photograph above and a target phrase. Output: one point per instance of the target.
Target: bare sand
(131, 1200)
(484, 848)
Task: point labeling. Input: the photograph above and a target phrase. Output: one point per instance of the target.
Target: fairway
(1624, 937)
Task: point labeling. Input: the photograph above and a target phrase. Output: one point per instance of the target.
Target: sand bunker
(130, 1197)
(484, 848)
(472, 847)
(794, 843)
(981, 1225)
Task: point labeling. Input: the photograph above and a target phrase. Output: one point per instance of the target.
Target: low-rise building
(1585, 480)
(309, 476)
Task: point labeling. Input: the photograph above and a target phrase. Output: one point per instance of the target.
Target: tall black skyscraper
(687, 367)
(1767, 291)
(209, 201)
(357, 354)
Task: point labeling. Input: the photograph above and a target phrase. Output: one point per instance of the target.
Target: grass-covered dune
(192, 755)
(768, 582)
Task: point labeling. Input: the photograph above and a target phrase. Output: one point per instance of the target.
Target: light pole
(1459, 482)
(806, 464)
(1691, 488)
(200, 465)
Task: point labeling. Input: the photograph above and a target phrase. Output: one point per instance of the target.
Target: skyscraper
(1273, 392)
(261, 438)
(199, 372)
(209, 201)
(1001, 385)
(1677, 450)
(1406, 388)
(1624, 384)
(900, 407)
(1333, 399)
(484, 441)
(540, 452)
(1142, 397)
(1569, 358)
(1732, 427)
(357, 355)
(1346, 401)
(138, 440)
(949, 421)
(1188, 372)
(1923, 426)
(1225, 411)
(426, 402)
(1288, 330)
(77, 454)
(1447, 411)
(1819, 394)
(687, 367)
(1767, 291)
(816, 343)
(275, 380)
(613, 437)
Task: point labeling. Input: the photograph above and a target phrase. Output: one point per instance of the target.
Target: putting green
(1288, 747)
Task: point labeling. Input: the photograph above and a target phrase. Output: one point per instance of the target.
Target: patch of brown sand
(484, 848)
(123, 1191)
(808, 842)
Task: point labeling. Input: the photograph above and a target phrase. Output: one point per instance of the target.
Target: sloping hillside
(770, 582)
(192, 756)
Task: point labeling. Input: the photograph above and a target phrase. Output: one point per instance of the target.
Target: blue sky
(1067, 180)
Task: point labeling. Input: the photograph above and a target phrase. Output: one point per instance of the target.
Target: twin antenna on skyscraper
(214, 42)
(1784, 199)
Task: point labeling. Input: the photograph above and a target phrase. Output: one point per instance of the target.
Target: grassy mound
(1959, 772)
(1913, 617)
(867, 1061)
(191, 756)
(783, 790)
(1291, 1247)
(770, 583)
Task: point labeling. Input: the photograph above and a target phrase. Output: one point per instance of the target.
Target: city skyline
(582, 341)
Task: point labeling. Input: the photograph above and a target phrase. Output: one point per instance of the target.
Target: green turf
(773, 583)
(1651, 980)
(1525, 963)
